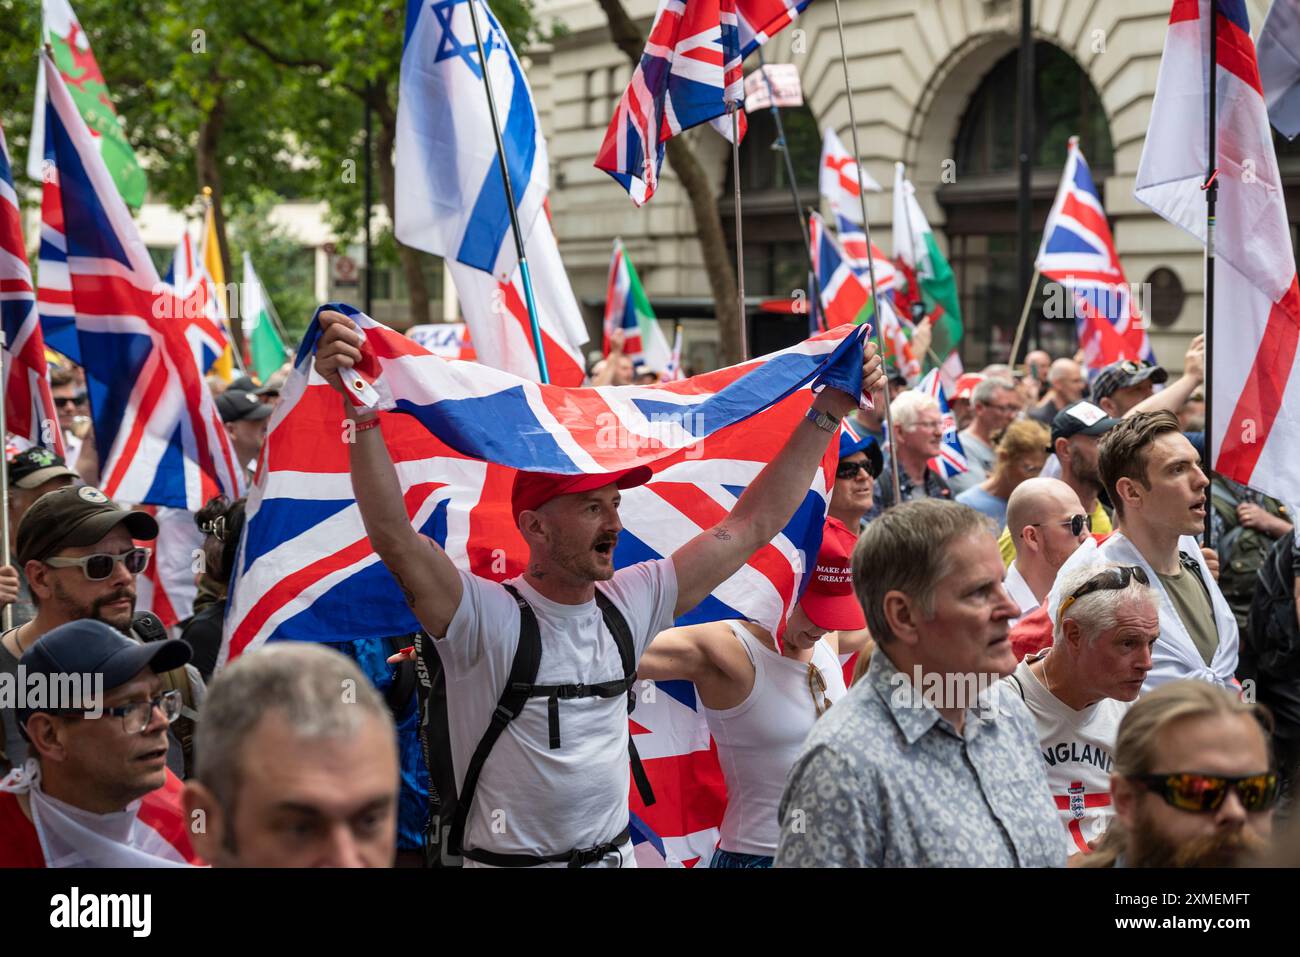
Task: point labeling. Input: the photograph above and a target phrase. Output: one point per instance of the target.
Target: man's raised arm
(428, 578)
(713, 556)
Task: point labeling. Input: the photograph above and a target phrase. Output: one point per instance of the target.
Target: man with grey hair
(1080, 689)
(928, 761)
(297, 764)
(1047, 523)
(996, 403)
(1067, 386)
(918, 436)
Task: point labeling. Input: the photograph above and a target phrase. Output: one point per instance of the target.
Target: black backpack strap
(622, 634)
(518, 689)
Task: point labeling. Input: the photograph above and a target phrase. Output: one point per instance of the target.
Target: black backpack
(449, 811)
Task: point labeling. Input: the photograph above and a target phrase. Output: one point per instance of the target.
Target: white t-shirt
(531, 799)
(1020, 592)
(1078, 749)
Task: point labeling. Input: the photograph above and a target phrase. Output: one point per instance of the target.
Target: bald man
(1068, 385)
(1047, 523)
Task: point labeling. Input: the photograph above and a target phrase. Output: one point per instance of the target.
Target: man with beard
(1192, 784)
(78, 551)
(538, 669)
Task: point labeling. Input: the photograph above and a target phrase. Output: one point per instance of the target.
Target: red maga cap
(829, 601)
(532, 490)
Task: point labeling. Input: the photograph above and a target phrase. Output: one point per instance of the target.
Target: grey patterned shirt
(881, 783)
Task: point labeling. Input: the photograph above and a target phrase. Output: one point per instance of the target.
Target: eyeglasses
(138, 715)
(816, 686)
(1077, 524)
(1205, 793)
(1112, 579)
(1008, 409)
(77, 399)
(848, 470)
(99, 567)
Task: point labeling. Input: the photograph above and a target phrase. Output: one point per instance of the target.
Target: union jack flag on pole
(1255, 378)
(689, 74)
(1078, 252)
(157, 431)
(951, 459)
(760, 20)
(29, 407)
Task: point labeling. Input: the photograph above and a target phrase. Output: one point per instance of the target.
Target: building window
(980, 207)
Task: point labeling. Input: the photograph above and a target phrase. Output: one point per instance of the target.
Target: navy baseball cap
(235, 405)
(88, 646)
(853, 439)
(1081, 418)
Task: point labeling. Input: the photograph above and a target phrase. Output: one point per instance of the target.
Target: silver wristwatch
(825, 422)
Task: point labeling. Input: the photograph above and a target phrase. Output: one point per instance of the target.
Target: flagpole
(1211, 187)
(734, 109)
(220, 294)
(871, 259)
(1024, 317)
(524, 274)
(6, 616)
(815, 286)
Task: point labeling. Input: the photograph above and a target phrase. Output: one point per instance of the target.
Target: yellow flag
(225, 366)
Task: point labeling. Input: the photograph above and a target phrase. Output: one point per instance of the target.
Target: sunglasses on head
(1205, 793)
(99, 567)
(1112, 579)
(1076, 524)
(848, 470)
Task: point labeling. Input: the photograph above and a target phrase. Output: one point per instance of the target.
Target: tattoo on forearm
(721, 534)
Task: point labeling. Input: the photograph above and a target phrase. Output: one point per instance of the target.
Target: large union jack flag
(689, 73)
(1078, 252)
(307, 571)
(760, 20)
(157, 431)
(29, 407)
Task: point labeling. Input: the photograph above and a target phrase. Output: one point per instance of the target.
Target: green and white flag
(76, 62)
(914, 245)
(266, 348)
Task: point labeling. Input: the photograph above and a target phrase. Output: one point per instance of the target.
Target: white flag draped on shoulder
(1256, 380)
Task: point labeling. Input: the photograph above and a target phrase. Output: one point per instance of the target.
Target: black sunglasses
(77, 399)
(1205, 793)
(1077, 524)
(848, 470)
(1112, 579)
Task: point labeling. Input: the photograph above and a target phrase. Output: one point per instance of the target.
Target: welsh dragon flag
(75, 61)
(923, 266)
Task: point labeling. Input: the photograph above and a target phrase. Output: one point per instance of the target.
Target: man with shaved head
(1066, 386)
(1047, 523)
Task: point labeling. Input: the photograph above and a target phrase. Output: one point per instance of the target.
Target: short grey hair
(988, 388)
(909, 405)
(320, 692)
(1096, 612)
(907, 549)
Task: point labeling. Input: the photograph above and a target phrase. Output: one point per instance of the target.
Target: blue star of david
(449, 46)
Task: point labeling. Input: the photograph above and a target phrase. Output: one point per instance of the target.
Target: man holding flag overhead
(557, 774)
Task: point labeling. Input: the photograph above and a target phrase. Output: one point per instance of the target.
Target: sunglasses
(77, 399)
(1205, 793)
(848, 470)
(99, 567)
(817, 686)
(1077, 524)
(1112, 579)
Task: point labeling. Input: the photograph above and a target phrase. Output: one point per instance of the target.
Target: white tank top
(760, 738)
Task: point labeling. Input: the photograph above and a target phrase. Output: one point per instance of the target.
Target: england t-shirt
(532, 799)
(1078, 748)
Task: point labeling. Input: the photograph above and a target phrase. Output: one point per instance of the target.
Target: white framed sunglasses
(100, 566)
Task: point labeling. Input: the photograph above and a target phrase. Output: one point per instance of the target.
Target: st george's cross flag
(1255, 377)
(1078, 252)
(840, 181)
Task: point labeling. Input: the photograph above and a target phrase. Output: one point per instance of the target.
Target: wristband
(368, 424)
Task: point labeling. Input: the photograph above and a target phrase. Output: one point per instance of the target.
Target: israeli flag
(451, 201)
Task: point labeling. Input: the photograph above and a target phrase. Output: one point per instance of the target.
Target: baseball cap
(1124, 375)
(852, 440)
(72, 517)
(532, 490)
(237, 405)
(34, 467)
(964, 387)
(89, 646)
(829, 601)
(1081, 418)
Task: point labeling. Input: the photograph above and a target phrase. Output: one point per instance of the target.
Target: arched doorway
(980, 205)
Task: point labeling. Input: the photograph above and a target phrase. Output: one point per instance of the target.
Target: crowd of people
(1050, 662)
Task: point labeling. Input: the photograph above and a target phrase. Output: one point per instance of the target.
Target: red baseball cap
(829, 601)
(532, 490)
(964, 388)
